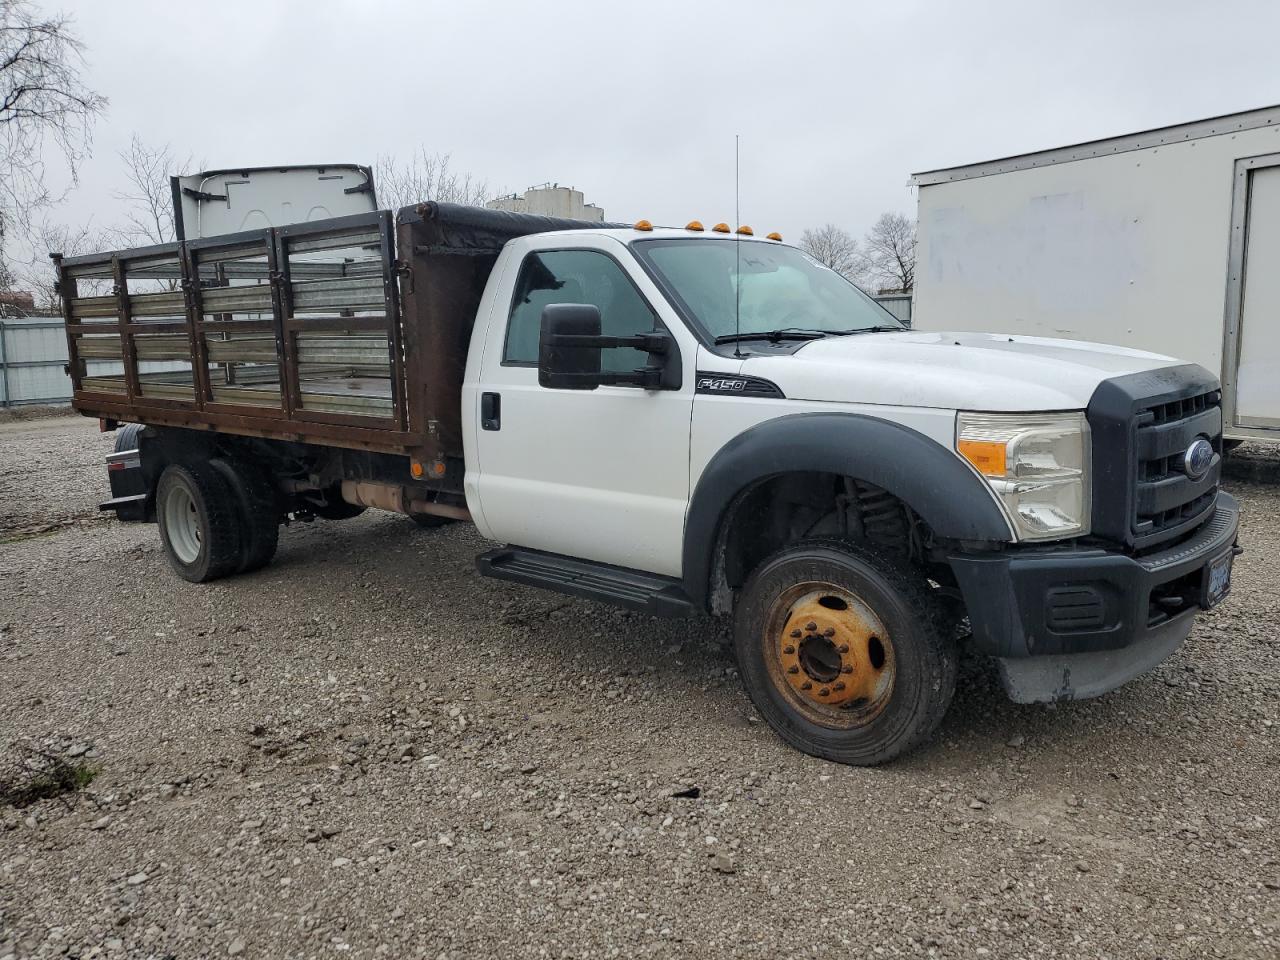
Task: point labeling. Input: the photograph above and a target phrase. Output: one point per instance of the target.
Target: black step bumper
(1068, 623)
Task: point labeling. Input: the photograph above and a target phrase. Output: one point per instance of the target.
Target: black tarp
(452, 228)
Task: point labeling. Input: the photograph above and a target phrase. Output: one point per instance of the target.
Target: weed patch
(35, 775)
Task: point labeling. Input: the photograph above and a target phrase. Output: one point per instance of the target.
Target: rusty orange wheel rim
(829, 655)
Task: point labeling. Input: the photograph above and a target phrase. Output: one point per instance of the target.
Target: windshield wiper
(773, 336)
(849, 333)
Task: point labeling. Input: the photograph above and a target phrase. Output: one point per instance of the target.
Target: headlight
(1038, 465)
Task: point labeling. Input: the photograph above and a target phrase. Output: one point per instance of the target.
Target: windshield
(781, 288)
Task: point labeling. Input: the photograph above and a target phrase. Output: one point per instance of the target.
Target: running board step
(634, 589)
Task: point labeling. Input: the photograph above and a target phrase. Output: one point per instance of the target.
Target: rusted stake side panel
(351, 332)
(291, 333)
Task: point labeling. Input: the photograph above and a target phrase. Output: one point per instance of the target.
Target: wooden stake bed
(350, 332)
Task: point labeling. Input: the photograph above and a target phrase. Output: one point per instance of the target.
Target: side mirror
(569, 352)
(566, 358)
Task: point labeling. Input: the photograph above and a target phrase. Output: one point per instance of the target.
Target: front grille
(1166, 498)
(1142, 425)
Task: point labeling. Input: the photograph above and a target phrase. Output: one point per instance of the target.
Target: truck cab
(693, 422)
(1060, 496)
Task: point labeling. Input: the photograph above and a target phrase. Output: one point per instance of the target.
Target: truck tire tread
(259, 511)
(216, 502)
(929, 630)
(127, 437)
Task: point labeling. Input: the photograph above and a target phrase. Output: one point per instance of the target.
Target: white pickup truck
(684, 422)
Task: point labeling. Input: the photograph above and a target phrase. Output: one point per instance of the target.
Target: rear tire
(199, 525)
(844, 652)
(258, 510)
(127, 437)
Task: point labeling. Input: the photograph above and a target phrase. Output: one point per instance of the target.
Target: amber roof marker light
(720, 228)
(745, 231)
(643, 225)
(694, 225)
(774, 236)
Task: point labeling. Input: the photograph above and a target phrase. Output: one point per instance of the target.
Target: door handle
(490, 411)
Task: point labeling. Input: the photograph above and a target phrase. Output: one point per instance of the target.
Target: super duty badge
(720, 383)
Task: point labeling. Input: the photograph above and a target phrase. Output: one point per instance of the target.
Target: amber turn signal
(987, 456)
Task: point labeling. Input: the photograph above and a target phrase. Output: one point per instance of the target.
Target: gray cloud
(637, 103)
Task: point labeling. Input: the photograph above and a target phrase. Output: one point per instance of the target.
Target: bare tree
(889, 253)
(70, 242)
(426, 176)
(43, 101)
(832, 246)
(149, 214)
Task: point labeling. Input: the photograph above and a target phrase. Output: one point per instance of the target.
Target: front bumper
(1069, 623)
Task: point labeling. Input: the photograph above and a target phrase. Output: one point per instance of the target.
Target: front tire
(199, 525)
(844, 652)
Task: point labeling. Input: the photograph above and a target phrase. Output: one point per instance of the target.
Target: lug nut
(843, 648)
(847, 668)
(806, 685)
(823, 692)
(829, 632)
(793, 669)
(789, 649)
(796, 634)
(838, 685)
(811, 626)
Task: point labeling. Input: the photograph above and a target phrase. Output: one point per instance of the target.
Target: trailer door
(1257, 380)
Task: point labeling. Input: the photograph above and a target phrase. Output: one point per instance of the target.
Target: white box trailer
(1166, 240)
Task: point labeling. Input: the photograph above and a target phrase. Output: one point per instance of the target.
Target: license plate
(1217, 579)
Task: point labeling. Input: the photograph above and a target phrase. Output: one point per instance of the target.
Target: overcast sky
(637, 103)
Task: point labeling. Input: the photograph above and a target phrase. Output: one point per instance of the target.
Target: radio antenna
(737, 255)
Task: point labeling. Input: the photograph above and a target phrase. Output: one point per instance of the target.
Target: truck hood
(963, 371)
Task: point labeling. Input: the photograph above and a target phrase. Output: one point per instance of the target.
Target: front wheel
(843, 652)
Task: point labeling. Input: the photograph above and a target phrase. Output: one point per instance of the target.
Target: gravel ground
(366, 750)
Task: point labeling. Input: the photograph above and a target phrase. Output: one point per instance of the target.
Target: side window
(576, 276)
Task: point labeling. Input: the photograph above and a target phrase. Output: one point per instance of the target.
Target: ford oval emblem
(1198, 458)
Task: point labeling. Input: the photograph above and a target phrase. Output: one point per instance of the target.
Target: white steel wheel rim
(182, 523)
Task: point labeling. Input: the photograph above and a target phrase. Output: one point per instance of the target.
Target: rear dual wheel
(843, 652)
(199, 525)
(259, 510)
(216, 518)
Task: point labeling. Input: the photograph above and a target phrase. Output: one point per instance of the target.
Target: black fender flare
(929, 478)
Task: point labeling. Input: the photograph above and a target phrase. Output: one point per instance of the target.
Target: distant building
(17, 303)
(550, 200)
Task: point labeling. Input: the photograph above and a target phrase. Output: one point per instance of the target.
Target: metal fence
(899, 304)
(33, 352)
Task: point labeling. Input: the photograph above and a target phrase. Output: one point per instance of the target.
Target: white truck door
(597, 474)
(1258, 373)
